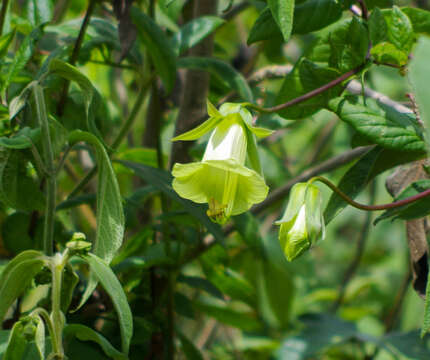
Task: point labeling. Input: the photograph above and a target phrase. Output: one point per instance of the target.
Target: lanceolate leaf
(282, 11)
(84, 333)
(158, 46)
(379, 123)
(23, 139)
(110, 215)
(17, 276)
(200, 130)
(110, 283)
(223, 71)
(194, 31)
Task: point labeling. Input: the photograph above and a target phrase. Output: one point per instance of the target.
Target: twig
(364, 11)
(308, 95)
(353, 266)
(75, 53)
(3, 12)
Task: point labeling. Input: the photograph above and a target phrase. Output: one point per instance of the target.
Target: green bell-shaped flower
(302, 224)
(221, 179)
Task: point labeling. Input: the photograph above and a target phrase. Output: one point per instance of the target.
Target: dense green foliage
(103, 253)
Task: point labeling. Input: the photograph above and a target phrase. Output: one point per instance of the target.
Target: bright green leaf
(283, 11)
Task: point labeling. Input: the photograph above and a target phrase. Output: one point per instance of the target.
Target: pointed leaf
(282, 11)
(84, 333)
(113, 287)
(211, 109)
(23, 139)
(17, 276)
(195, 31)
(200, 130)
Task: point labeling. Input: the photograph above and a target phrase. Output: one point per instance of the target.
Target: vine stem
(51, 183)
(308, 95)
(357, 205)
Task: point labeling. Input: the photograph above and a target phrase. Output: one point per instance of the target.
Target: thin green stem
(357, 205)
(119, 138)
(3, 12)
(47, 319)
(308, 95)
(51, 183)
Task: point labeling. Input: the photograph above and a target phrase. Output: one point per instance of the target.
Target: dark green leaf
(5, 41)
(70, 280)
(17, 276)
(249, 229)
(21, 341)
(195, 31)
(17, 188)
(419, 18)
(408, 344)
(417, 209)
(85, 333)
(163, 181)
(110, 283)
(223, 71)
(377, 27)
(39, 11)
(15, 232)
(306, 76)
(379, 123)
(264, 27)
(349, 45)
(201, 284)
(313, 15)
(399, 29)
(23, 139)
(158, 45)
(282, 12)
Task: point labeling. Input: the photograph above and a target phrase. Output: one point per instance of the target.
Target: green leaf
(313, 15)
(17, 276)
(408, 345)
(222, 71)
(249, 229)
(22, 56)
(306, 76)
(5, 41)
(387, 53)
(158, 45)
(201, 284)
(20, 344)
(17, 188)
(309, 16)
(84, 333)
(349, 45)
(39, 11)
(399, 29)
(110, 283)
(70, 280)
(162, 180)
(282, 12)
(420, 79)
(195, 31)
(379, 123)
(200, 130)
(417, 209)
(365, 169)
(23, 139)
(242, 320)
(110, 215)
(419, 18)
(377, 27)
(352, 183)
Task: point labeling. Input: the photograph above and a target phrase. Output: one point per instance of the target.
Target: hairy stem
(357, 205)
(51, 182)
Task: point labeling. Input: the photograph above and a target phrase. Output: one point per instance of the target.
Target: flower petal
(295, 202)
(313, 203)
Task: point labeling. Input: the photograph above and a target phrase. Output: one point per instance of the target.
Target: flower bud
(302, 224)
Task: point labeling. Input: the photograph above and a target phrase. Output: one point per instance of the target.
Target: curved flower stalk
(302, 224)
(221, 179)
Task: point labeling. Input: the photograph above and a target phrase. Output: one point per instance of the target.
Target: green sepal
(212, 110)
(314, 218)
(252, 152)
(200, 130)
